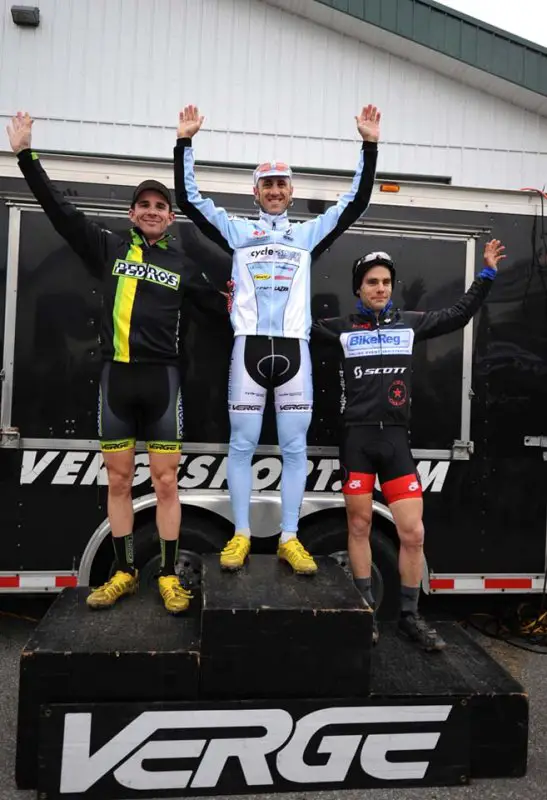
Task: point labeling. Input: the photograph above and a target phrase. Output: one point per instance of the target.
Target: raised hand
(493, 253)
(368, 123)
(20, 132)
(189, 122)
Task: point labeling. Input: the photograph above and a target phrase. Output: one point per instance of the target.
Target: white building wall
(108, 77)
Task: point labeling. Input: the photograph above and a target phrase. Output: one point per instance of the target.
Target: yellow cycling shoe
(236, 551)
(297, 556)
(175, 597)
(120, 583)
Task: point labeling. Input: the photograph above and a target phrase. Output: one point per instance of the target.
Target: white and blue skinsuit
(271, 318)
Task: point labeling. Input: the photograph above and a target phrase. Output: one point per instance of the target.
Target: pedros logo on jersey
(387, 342)
(146, 272)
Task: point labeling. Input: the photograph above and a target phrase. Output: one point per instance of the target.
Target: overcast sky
(526, 18)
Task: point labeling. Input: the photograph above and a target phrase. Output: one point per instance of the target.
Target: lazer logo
(281, 288)
(370, 739)
(147, 272)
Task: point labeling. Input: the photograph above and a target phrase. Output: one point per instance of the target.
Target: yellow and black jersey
(143, 284)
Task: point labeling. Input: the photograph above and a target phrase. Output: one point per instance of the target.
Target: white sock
(286, 535)
(243, 532)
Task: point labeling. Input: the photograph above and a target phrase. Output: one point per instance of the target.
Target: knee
(292, 430)
(244, 432)
(359, 524)
(120, 482)
(294, 447)
(412, 535)
(165, 484)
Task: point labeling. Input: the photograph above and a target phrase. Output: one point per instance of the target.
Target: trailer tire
(330, 536)
(199, 534)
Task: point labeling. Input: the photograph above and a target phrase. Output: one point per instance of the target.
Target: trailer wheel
(199, 535)
(329, 536)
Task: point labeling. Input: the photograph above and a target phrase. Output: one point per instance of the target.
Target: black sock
(364, 585)
(169, 556)
(409, 599)
(123, 550)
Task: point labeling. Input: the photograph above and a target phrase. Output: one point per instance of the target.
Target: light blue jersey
(271, 255)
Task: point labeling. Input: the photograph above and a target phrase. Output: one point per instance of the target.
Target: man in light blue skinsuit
(271, 317)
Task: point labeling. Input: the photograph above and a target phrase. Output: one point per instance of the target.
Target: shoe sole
(298, 571)
(405, 635)
(100, 607)
(179, 611)
(231, 568)
(234, 567)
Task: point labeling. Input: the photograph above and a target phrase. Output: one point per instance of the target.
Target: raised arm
(436, 323)
(327, 227)
(86, 238)
(214, 222)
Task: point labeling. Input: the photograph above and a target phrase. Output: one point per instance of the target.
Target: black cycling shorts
(368, 451)
(140, 401)
(260, 363)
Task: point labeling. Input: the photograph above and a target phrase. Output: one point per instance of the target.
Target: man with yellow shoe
(271, 317)
(143, 280)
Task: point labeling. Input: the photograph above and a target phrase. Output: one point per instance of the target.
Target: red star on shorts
(397, 392)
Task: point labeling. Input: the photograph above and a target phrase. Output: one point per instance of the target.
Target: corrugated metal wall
(108, 76)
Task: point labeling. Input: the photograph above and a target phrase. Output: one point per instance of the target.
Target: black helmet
(363, 264)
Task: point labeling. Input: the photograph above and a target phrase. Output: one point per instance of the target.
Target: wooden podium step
(259, 688)
(266, 632)
(134, 651)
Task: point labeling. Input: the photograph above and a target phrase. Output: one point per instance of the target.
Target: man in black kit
(377, 344)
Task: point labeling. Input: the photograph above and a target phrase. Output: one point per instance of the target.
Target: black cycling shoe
(414, 626)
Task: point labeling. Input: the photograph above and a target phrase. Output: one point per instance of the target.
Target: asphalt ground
(19, 615)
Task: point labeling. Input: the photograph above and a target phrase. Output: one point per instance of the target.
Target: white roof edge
(416, 53)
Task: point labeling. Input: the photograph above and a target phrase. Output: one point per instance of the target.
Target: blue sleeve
(214, 222)
(321, 232)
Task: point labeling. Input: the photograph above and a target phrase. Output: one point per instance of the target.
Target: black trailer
(478, 423)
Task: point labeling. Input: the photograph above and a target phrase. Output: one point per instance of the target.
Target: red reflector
(9, 581)
(66, 580)
(441, 583)
(508, 583)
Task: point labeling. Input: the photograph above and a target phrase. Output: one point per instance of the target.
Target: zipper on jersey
(272, 287)
(381, 373)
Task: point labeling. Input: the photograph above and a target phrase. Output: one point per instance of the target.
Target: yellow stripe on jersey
(123, 308)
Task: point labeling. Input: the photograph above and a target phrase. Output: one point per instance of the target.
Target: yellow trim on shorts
(164, 447)
(117, 445)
